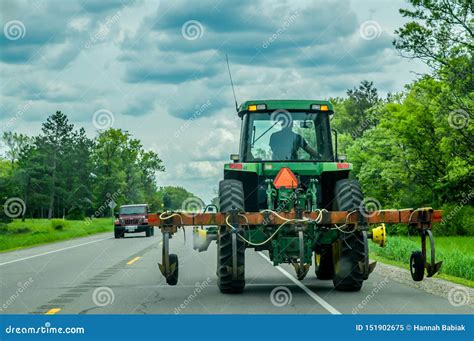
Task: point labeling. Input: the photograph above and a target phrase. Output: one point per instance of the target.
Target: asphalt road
(103, 275)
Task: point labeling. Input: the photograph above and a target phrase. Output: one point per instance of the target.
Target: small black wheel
(117, 234)
(417, 266)
(152, 231)
(148, 232)
(172, 279)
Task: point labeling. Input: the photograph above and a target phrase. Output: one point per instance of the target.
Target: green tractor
(287, 162)
(287, 192)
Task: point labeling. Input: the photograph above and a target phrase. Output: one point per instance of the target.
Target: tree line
(415, 148)
(63, 173)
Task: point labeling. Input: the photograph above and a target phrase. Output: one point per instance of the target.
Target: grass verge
(456, 253)
(18, 234)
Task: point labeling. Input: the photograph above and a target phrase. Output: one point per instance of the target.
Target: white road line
(53, 251)
(310, 293)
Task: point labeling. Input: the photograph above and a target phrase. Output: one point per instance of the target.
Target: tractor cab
(286, 131)
(292, 134)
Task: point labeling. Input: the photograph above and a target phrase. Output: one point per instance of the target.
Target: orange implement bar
(407, 216)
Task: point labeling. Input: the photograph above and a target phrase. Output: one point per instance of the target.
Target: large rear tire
(349, 251)
(230, 280)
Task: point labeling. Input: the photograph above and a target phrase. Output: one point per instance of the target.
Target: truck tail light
(145, 221)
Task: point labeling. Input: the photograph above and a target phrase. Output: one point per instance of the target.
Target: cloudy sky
(157, 68)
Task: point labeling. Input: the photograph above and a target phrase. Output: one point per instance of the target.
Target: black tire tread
(173, 278)
(417, 266)
(348, 274)
(231, 197)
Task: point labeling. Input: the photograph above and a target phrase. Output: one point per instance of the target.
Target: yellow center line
(133, 260)
(52, 311)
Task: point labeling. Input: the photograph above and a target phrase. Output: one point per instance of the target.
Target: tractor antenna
(232, 83)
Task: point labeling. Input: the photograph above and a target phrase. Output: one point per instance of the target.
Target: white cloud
(154, 81)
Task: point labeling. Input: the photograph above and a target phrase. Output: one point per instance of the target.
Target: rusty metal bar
(418, 218)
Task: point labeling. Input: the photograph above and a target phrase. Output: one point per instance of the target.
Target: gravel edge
(456, 294)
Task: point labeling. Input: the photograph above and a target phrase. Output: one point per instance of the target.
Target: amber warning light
(285, 178)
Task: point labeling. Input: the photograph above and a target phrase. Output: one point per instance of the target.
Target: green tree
(56, 145)
(174, 196)
(354, 114)
(123, 166)
(15, 143)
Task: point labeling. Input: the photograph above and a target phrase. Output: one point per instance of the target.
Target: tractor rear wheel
(349, 251)
(230, 280)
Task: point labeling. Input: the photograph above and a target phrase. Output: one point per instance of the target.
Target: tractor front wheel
(349, 250)
(230, 248)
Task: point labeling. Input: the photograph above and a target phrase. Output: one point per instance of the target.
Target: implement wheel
(230, 271)
(172, 279)
(349, 251)
(417, 266)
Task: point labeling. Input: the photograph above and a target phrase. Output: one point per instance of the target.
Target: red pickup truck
(132, 219)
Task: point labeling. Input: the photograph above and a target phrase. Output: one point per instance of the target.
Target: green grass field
(457, 254)
(18, 234)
